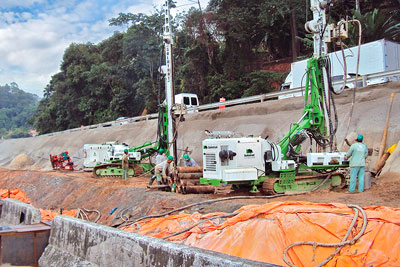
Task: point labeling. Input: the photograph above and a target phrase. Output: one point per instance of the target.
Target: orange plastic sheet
(262, 232)
(47, 215)
(14, 194)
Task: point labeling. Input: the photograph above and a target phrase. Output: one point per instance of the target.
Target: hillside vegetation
(218, 52)
(16, 107)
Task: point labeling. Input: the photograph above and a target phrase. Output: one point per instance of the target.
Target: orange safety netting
(47, 215)
(262, 232)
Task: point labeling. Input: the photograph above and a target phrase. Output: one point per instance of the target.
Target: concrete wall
(74, 242)
(15, 212)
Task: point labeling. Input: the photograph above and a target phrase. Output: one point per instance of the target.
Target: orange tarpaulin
(262, 232)
(47, 215)
(14, 194)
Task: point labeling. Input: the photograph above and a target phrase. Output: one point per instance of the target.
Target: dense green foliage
(16, 107)
(217, 52)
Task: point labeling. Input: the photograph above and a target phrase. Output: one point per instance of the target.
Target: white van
(191, 101)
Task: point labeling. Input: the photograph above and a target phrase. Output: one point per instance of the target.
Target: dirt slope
(55, 190)
(271, 118)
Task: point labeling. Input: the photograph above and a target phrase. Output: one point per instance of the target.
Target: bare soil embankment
(55, 190)
(270, 118)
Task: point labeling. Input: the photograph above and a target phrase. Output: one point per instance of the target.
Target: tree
(97, 83)
(376, 24)
(216, 53)
(16, 107)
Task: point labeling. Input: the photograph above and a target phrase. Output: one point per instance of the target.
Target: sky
(35, 33)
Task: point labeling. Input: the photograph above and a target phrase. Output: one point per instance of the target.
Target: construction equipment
(106, 159)
(281, 167)
(139, 160)
(62, 162)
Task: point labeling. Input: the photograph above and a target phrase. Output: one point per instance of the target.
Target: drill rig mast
(166, 132)
(167, 69)
(279, 167)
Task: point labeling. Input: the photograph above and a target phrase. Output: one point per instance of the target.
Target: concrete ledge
(15, 212)
(74, 242)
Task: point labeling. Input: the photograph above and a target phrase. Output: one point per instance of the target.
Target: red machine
(62, 162)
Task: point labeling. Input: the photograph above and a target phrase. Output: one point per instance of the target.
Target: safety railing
(241, 101)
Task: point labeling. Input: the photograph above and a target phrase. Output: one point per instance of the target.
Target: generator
(96, 154)
(242, 159)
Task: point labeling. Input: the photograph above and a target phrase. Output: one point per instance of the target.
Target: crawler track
(115, 170)
(306, 183)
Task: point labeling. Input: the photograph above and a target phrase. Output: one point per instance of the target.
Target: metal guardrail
(240, 101)
(108, 124)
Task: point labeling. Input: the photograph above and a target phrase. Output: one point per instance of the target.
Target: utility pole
(169, 79)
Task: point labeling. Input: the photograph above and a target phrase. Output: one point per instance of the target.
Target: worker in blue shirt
(189, 162)
(357, 154)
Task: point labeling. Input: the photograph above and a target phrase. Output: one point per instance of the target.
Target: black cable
(326, 103)
(275, 152)
(289, 144)
(331, 100)
(328, 69)
(301, 84)
(334, 113)
(326, 171)
(326, 25)
(320, 141)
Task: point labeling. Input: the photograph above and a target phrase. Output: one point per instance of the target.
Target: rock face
(270, 118)
(15, 212)
(74, 242)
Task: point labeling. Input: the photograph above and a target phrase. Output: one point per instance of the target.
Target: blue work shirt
(160, 158)
(190, 163)
(357, 153)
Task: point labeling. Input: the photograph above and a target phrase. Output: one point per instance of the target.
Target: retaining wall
(74, 242)
(15, 212)
(271, 118)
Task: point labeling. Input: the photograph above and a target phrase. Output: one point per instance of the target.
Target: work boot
(151, 181)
